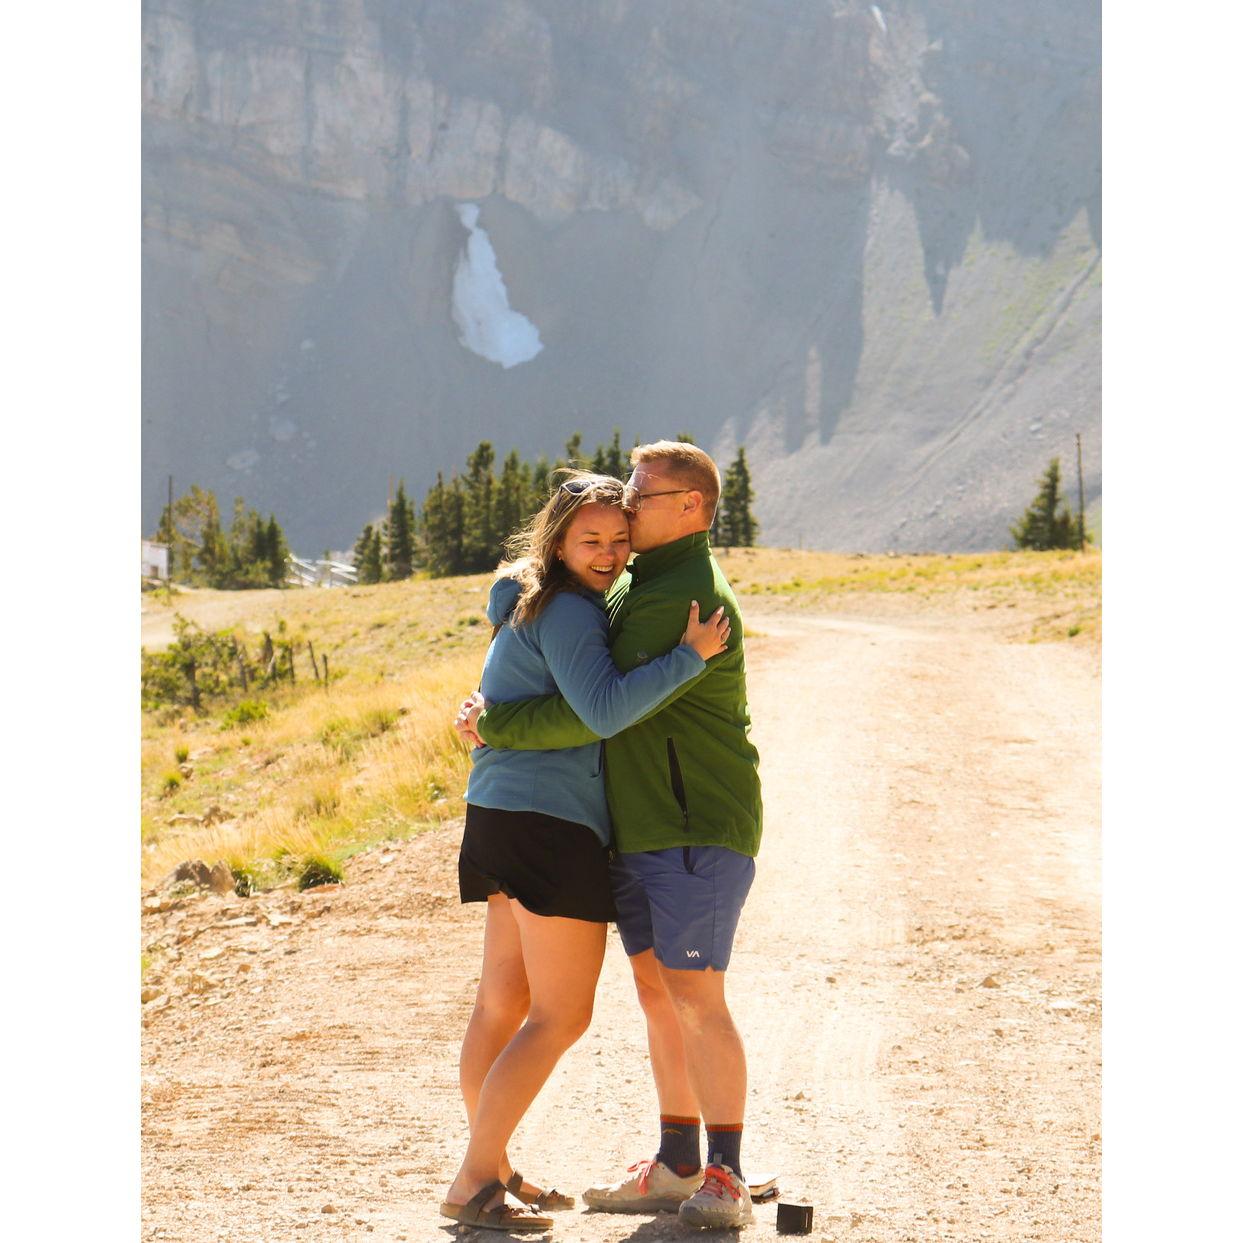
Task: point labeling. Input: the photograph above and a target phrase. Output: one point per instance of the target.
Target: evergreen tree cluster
(466, 519)
(1047, 523)
(251, 553)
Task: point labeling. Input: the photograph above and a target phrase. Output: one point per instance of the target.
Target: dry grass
(1058, 593)
(329, 770)
(374, 757)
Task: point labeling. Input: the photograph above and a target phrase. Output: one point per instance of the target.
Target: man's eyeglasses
(632, 498)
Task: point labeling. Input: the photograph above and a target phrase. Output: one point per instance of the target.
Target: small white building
(154, 560)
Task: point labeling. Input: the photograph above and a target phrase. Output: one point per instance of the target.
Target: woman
(537, 828)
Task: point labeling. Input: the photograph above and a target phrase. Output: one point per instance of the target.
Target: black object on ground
(794, 1218)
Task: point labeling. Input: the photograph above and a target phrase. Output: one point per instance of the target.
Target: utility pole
(170, 531)
(1079, 458)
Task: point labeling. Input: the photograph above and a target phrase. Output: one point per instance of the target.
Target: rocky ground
(917, 978)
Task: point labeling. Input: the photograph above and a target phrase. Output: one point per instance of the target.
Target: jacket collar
(655, 561)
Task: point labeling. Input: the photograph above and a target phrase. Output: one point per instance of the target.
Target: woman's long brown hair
(533, 560)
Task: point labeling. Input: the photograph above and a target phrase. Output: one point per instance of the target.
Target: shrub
(201, 664)
(379, 721)
(244, 713)
(318, 870)
(182, 754)
(337, 736)
(324, 800)
(170, 784)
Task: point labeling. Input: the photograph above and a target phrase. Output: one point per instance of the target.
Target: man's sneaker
(649, 1187)
(722, 1200)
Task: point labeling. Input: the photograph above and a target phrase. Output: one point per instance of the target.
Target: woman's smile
(596, 546)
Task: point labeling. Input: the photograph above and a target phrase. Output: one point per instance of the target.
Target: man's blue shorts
(683, 902)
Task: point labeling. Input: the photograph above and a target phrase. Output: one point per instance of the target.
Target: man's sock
(725, 1145)
(679, 1144)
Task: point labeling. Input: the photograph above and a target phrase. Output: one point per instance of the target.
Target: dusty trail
(917, 978)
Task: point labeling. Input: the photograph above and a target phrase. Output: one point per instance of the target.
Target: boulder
(220, 878)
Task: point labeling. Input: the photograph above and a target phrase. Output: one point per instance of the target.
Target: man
(684, 795)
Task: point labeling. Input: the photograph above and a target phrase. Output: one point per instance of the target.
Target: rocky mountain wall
(864, 240)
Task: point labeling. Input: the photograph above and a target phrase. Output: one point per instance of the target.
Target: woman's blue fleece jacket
(565, 649)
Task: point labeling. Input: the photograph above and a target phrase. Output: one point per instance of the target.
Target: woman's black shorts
(553, 867)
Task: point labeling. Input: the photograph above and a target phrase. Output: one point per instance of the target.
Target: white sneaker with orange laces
(649, 1187)
(723, 1200)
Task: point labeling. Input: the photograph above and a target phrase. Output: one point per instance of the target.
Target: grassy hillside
(1055, 595)
(328, 770)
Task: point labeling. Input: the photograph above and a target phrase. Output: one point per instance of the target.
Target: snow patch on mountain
(489, 326)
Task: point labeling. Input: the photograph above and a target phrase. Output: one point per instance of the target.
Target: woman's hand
(709, 637)
(465, 720)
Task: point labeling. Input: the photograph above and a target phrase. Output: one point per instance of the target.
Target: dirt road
(917, 978)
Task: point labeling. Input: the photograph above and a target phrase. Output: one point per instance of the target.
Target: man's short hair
(689, 463)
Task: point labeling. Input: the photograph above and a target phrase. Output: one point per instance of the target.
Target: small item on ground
(794, 1218)
(764, 1189)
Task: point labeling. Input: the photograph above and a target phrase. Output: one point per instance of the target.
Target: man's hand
(465, 720)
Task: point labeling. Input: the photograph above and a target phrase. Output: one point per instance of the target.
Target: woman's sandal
(472, 1213)
(553, 1201)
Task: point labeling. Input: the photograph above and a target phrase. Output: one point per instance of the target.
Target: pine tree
(373, 559)
(1043, 526)
(181, 529)
(246, 564)
(400, 535)
(573, 451)
(277, 553)
(362, 551)
(482, 545)
(540, 484)
(455, 508)
(432, 527)
(614, 460)
(213, 553)
(735, 525)
(512, 496)
(686, 438)
(258, 544)
(442, 530)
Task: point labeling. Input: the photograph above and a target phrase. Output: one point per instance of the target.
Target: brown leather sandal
(472, 1213)
(552, 1201)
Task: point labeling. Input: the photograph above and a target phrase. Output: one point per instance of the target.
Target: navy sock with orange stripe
(725, 1145)
(679, 1144)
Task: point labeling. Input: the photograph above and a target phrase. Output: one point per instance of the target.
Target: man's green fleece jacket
(686, 774)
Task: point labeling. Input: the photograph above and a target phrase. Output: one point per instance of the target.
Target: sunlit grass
(326, 769)
(1063, 588)
(372, 756)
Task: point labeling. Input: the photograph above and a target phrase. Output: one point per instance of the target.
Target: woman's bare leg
(501, 1001)
(562, 958)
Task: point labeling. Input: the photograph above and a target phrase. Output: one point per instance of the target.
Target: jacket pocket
(675, 781)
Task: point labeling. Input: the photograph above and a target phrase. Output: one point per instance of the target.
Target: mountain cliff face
(864, 240)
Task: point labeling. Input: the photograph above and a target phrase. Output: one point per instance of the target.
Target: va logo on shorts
(692, 953)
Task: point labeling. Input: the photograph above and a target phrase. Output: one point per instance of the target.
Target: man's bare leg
(664, 1038)
(715, 1061)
